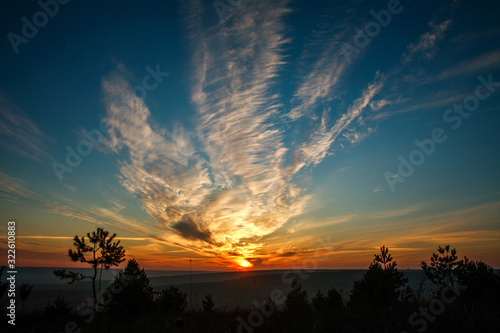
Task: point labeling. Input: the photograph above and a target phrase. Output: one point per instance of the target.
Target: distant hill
(229, 289)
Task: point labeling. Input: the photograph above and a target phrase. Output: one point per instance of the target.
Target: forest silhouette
(465, 297)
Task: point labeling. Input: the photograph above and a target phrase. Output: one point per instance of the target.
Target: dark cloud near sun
(189, 229)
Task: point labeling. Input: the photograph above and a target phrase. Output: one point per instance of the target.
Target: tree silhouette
(297, 311)
(172, 301)
(103, 252)
(379, 286)
(483, 285)
(208, 303)
(58, 312)
(384, 258)
(133, 298)
(328, 310)
(471, 288)
(24, 292)
(376, 301)
(3, 285)
(476, 279)
(443, 268)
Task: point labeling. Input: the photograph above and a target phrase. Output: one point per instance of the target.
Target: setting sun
(244, 263)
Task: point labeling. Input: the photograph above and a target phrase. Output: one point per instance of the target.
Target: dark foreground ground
(263, 301)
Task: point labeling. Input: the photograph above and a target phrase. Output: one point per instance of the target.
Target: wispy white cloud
(317, 147)
(15, 190)
(19, 134)
(317, 224)
(320, 76)
(441, 99)
(484, 62)
(99, 216)
(426, 45)
(468, 37)
(354, 135)
(378, 104)
(69, 187)
(396, 213)
(318, 86)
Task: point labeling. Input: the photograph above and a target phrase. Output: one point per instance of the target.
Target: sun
(244, 263)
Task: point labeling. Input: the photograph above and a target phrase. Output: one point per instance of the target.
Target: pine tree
(135, 296)
(103, 253)
(476, 280)
(208, 303)
(297, 311)
(172, 301)
(443, 268)
(380, 285)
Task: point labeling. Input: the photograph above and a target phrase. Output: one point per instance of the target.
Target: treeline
(465, 298)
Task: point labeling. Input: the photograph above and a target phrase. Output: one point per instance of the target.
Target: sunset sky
(267, 134)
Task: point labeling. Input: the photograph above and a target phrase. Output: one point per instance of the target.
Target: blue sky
(252, 131)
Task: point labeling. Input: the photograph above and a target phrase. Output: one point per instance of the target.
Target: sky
(267, 134)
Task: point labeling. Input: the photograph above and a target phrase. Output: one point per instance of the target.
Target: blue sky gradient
(259, 135)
